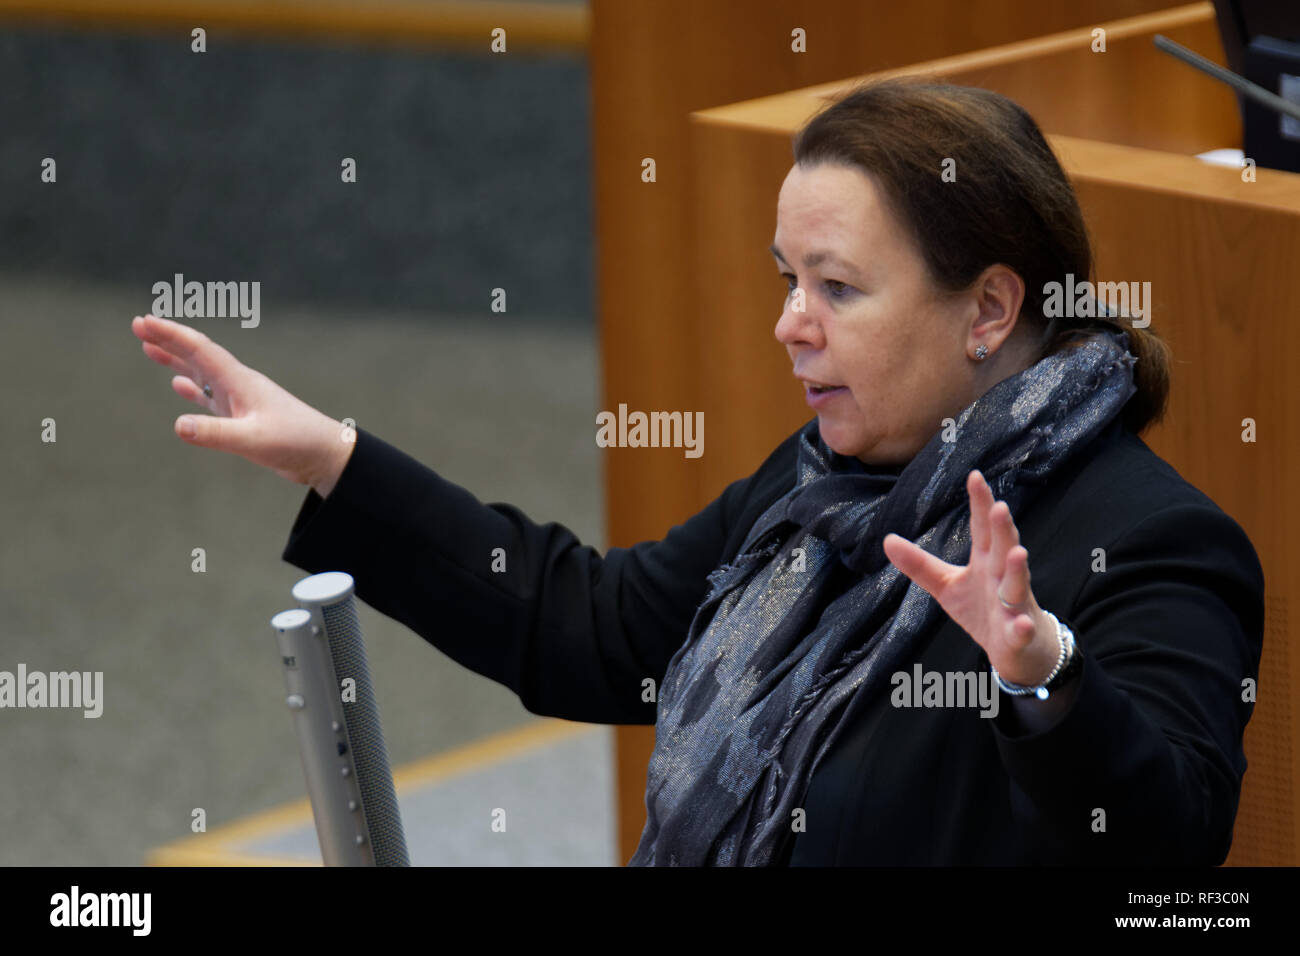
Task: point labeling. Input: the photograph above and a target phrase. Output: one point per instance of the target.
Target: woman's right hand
(251, 415)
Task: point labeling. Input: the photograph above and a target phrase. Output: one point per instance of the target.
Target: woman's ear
(1000, 292)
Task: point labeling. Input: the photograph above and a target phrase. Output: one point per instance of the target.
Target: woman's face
(871, 324)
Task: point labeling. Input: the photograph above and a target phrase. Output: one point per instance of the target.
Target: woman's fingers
(211, 431)
(1005, 536)
(251, 416)
(184, 349)
(981, 500)
(201, 361)
(920, 565)
(178, 339)
(160, 342)
(189, 390)
(993, 528)
(1014, 586)
(165, 358)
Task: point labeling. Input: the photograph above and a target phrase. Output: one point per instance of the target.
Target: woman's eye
(838, 290)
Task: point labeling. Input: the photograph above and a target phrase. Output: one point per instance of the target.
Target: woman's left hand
(1021, 644)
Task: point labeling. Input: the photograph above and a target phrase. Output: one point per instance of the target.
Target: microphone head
(339, 727)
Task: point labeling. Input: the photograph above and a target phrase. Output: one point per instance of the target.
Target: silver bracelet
(1066, 639)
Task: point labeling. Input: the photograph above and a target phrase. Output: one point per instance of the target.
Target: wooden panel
(1132, 93)
(651, 65)
(465, 23)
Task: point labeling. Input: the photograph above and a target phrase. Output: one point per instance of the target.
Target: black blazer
(1145, 767)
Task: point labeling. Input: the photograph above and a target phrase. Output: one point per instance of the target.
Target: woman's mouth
(818, 395)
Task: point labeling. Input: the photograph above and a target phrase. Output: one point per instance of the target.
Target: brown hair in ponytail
(1011, 203)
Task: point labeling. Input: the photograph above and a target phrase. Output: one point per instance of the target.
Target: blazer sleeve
(573, 633)
(1146, 765)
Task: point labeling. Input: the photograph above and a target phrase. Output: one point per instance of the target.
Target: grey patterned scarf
(811, 618)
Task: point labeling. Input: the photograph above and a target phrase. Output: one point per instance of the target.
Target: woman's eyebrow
(816, 258)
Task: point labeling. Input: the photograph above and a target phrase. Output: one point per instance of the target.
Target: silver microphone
(336, 717)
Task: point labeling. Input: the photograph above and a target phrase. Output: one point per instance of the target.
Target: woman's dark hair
(1010, 203)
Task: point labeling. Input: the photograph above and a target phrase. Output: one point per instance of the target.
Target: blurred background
(472, 174)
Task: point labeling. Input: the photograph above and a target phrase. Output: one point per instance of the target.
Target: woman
(818, 647)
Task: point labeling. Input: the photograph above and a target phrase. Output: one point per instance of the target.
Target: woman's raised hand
(1021, 643)
(251, 415)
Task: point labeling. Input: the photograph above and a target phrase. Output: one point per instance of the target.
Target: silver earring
(981, 351)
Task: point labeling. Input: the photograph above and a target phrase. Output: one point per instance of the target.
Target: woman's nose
(796, 326)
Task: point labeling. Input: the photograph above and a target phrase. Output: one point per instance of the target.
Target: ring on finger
(1008, 606)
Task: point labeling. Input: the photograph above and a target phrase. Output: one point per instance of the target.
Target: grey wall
(473, 170)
